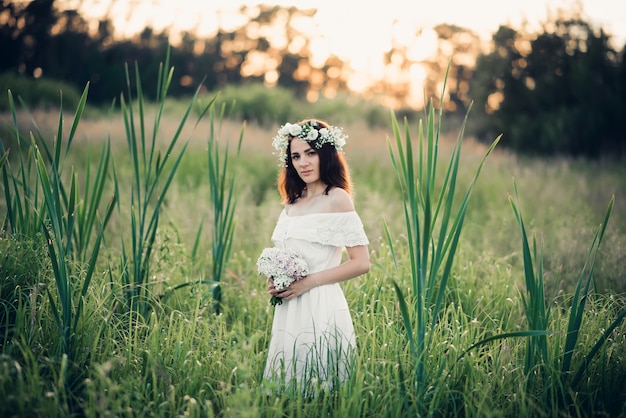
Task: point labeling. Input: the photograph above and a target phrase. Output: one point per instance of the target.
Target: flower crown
(307, 132)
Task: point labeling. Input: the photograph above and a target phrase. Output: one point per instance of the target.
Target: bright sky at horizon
(348, 18)
(356, 31)
(351, 31)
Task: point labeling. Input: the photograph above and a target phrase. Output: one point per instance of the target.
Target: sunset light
(358, 35)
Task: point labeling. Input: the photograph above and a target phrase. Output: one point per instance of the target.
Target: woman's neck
(315, 190)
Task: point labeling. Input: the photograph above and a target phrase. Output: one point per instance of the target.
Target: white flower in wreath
(312, 135)
(294, 129)
(307, 132)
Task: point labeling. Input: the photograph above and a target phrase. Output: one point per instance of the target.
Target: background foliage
(560, 90)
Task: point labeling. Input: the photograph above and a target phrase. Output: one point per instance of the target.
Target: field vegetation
(129, 285)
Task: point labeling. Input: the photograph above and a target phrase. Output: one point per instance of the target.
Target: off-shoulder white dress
(313, 339)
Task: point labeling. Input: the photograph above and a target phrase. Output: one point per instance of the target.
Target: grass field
(177, 357)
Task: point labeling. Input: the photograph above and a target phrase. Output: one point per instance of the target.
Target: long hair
(334, 170)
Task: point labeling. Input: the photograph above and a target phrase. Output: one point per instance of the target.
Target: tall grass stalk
(579, 300)
(223, 202)
(433, 228)
(3, 157)
(534, 301)
(24, 207)
(538, 361)
(45, 203)
(153, 173)
(23, 196)
(537, 315)
(63, 229)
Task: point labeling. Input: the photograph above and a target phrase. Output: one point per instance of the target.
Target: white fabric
(313, 335)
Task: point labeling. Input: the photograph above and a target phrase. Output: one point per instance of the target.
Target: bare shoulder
(340, 200)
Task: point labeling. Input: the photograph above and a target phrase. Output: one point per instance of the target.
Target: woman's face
(305, 160)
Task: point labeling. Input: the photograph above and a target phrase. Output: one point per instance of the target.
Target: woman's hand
(358, 263)
(295, 289)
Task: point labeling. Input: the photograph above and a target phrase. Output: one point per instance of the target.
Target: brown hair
(333, 170)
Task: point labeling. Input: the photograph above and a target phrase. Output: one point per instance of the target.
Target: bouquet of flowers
(283, 266)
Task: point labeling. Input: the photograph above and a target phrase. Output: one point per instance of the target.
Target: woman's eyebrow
(305, 151)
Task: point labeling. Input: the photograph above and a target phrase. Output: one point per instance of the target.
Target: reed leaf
(432, 225)
(534, 301)
(153, 174)
(537, 350)
(38, 199)
(87, 211)
(93, 257)
(596, 348)
(514, 334)
(223, 202)
(24, 209)
(580, 299)
(4, 156)
(57, 250)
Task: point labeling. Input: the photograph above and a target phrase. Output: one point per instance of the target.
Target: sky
(360, 19)
(359, 31)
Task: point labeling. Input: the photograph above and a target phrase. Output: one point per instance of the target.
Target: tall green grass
(548, 368)
(24, 206)
(223, 201)
(458, 348)
(3, 158)
(66, 215)
(534, 302)
(433, 221)
(153, 173)
(537, 312)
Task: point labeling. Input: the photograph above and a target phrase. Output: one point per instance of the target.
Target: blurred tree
(561, 91)
(394, 88)
(493, 72)
(25, 32)
(38, 40)
(273, 47)
(458, 47)
(556, 93)
(408, 60)
(10, 48)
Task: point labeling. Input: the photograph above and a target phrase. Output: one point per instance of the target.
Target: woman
(313, 341)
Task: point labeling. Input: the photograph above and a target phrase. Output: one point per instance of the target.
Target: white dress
(313, 339)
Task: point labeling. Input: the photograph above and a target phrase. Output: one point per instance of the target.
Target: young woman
(313, 341)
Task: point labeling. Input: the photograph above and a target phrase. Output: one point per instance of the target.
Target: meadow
(141, 297)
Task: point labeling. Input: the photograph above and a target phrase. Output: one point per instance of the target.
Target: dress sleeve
(342, 230)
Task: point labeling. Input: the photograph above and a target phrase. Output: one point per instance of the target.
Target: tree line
(558, 91)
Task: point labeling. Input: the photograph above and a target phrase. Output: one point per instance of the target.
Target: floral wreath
(307, 132)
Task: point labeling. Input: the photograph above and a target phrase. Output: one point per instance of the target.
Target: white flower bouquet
(283, 266)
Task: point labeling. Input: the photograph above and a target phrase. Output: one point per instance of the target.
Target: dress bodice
(319, 237)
